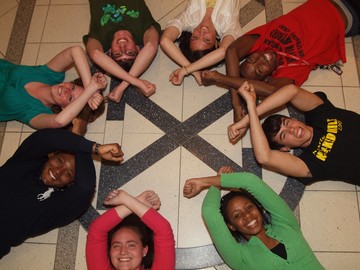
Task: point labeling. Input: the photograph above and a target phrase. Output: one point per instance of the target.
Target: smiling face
(65, 93)
(244, 217)
(123, 46)
(259, 65)
(203, 37)
(293, 134)
(126, 250)
(59, 170)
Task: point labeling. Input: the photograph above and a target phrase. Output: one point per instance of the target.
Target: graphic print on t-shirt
(285, 41)
(116, 14)
(327, 141)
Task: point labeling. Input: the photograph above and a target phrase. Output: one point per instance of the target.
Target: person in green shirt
(254, 228)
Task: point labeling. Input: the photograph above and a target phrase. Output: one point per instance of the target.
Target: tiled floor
(178, 133)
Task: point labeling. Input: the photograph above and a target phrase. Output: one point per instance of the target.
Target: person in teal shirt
(27, 93)
(254, 228)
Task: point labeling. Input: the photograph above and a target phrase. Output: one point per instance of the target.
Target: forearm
(206, 61)
(110, 66)
(130, 205)
(171, 50)
(73, 109)
(259, 142)
(81, 63)
(144, 59)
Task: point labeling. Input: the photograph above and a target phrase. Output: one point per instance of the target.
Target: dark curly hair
(242, 193)
(145, 234)
(192, 56)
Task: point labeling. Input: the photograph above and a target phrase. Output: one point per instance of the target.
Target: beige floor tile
(336, 261)
(6, 23)
(29, 256)
(163, 15)
(48, 51)
(30, 54)
(80, 251)
(330, 220)
(192, 230)
(352, 98)
(10, 144)
(167, 96)
(133, 143)
(113, 132)
(228, 149)
(37, 24)
(274, 180)
(135, 123)
(158, 7)
(42, 2)
(196, 98)
(7, 5)
(257, 21)
(60, 23)
(48, 238)
(350, 72)
(331, 185)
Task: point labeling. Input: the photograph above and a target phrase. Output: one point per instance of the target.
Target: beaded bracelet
(97, 145)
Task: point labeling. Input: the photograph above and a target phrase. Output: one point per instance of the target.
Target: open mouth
(251, 224)
(51, 175)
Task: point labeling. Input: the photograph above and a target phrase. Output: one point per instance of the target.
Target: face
(203, 37)
(244, 217)
(259, 65)
(294, 133)
(123, 46)
(127, 251)
(65, 93)
(59, 171)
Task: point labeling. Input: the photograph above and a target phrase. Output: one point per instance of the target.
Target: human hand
(146, 88)
(236, 132)
(99, 80)
(150, 198)
(111, 151)
(115, 197)
(197, 76)
(208, 77)
(247, 91)
(95, 101)
(116, 94)
(225, 169)
(177, 76)
(192, 188)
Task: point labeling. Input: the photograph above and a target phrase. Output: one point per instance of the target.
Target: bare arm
(177, 76)
(144, 58)
(98, 81)
(69, 57)
(127, 204)
(96, 53)
(300, 98)
(281, 162)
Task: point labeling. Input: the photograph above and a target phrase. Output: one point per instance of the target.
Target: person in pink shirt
(132, 235)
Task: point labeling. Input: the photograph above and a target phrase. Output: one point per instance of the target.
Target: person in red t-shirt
(285, 50)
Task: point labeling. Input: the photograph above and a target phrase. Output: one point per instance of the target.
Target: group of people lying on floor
(50, 180)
